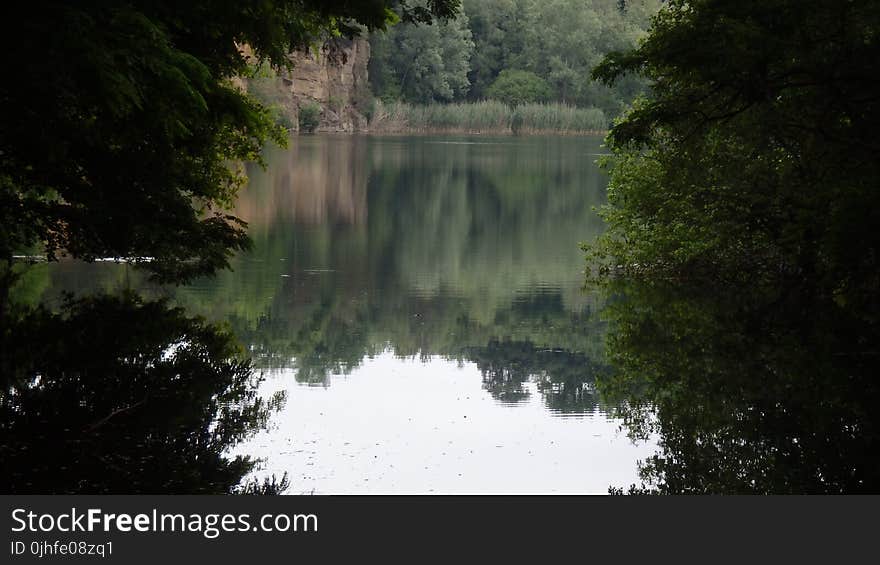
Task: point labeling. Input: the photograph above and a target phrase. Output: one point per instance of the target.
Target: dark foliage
(117, 395)
(120, 121)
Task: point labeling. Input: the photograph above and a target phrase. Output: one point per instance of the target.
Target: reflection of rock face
(311, 183)
(330, 186)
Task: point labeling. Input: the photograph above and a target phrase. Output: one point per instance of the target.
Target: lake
(414, 307)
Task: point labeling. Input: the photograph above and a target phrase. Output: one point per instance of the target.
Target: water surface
(418, 303)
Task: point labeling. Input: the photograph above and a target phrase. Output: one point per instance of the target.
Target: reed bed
(487, 116)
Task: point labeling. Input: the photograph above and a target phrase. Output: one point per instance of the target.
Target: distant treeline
(520, 52)
(486, 116)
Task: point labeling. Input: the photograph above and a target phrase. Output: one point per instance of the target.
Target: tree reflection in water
(565, 379)
(119, 395)
(751, 390)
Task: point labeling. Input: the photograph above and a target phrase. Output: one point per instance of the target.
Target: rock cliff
(335, 79)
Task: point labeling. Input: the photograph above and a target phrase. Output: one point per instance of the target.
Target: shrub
(309, 117)
(515, 88)
(280, 117)
(335, 103)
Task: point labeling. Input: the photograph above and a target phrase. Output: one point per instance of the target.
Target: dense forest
(531, 59)
(515, 51)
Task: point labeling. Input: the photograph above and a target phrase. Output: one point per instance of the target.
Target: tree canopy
(742, 246)
(755, 154)
(559, 41)
(421, 63)
(122, 120)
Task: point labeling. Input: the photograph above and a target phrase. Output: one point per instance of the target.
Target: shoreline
(458, 131)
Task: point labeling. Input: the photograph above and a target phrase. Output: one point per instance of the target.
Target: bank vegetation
(486, 116)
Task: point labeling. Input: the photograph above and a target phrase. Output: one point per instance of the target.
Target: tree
(122, 120)
(515, 87)
(742, 216)
(499, 34)
(423, 64)
(558, 40)
(756, 153)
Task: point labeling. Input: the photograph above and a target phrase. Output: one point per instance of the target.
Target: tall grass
(487, 116)
(558, 117)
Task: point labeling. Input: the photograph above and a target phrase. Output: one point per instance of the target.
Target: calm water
(414, 315)
(418, 305)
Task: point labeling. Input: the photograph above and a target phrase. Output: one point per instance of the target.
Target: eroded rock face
(335, 79)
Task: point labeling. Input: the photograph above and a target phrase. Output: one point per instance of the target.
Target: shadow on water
(121, 395)
(751, 389)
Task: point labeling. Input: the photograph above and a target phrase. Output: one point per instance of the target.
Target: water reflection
(762, 389)
(566, 380)
(432, 250)
(456, 260)
(316, 183)
(361, 244)
(416, 426)
(431, 295)
(118, 395)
